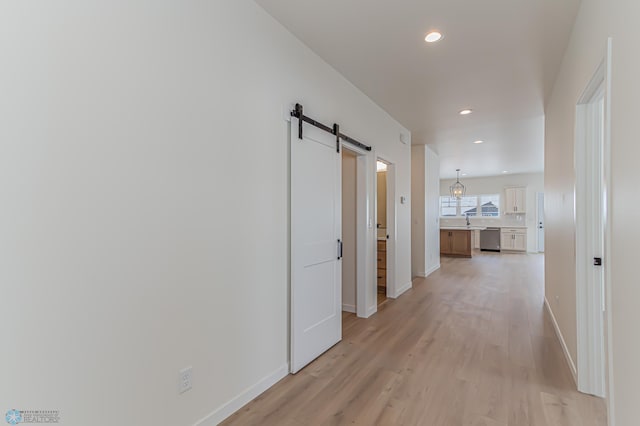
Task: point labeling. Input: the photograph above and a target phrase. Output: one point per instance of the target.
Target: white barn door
(316, 273)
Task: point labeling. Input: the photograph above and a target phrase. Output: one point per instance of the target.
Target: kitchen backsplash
(504, 220)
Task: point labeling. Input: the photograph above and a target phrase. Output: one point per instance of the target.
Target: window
(470, 205)
(489, 205)
(448, 206)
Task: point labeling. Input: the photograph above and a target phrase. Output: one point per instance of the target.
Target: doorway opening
(382, 234)
(356, 235)
(385, 230)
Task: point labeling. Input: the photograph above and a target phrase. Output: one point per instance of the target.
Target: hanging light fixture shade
(457, 189)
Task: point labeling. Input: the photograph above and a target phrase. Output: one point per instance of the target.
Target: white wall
(418, 197)
(144, 219)
(597, 20)
(349, 231)
(495, 185)
(425, 216)
(432, 210)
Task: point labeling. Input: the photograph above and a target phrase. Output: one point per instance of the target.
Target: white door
(595, 236)
(540, 218)
(590, 214)
(316, 273)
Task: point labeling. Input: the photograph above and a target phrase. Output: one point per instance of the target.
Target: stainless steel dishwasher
(490, 239)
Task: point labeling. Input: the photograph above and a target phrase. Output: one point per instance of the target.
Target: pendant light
(457, 189)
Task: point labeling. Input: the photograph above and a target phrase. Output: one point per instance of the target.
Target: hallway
(469, 345)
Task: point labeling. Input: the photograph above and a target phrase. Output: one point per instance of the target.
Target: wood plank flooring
(382, 297)
(469, 346)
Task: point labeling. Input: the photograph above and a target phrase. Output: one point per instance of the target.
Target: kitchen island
(455, 241)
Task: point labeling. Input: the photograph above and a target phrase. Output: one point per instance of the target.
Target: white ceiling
(498, 57)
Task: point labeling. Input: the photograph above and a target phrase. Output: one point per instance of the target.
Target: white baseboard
(349, 308)
(432, 270)
(565, 350)
(227, 409)
(402, 289)
(428, 272)
(371, 310)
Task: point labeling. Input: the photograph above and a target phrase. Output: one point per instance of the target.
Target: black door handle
(597, 261)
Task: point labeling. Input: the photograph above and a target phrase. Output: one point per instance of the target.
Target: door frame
(539, 197)
(364, 236)
(593, 306)
(392, 225)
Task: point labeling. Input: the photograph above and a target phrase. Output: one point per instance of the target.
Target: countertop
(463, 228)
(479, 227)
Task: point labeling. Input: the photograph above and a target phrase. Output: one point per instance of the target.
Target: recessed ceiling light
(433, 36)
(505, 171)
(466, 111)
(478, 142)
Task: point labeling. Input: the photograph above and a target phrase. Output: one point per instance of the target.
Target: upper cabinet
(515, 200)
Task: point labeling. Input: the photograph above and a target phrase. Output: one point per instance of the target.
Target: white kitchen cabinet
(513, 239)
(515, 200)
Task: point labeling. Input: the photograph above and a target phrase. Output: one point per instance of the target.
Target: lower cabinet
(455, 243)
(445, 242)
(513, 239)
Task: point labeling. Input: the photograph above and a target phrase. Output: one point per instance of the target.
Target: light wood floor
(469, 346)
(382, 297)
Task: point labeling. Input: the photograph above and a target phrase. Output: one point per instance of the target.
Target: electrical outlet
(184, 379)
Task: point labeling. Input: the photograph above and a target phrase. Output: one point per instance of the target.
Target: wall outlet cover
(185, 378)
